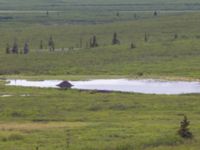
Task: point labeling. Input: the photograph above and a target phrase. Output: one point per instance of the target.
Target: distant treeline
(14, 49)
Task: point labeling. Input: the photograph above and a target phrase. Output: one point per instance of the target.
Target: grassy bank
(90, 77)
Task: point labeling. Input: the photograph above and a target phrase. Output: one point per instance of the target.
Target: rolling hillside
(97, 4)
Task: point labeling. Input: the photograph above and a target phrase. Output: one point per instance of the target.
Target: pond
(145, 86)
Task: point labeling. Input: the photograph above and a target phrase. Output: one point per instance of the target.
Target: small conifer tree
(184, 130)
(117, 14)
(175, 36)
(51, 44)
(155, 13)
(93, 42)
(26, 48)
(133, 45)
(41, 44)
(15, 48)
(135, 16)
(115, 39)
(47, 13)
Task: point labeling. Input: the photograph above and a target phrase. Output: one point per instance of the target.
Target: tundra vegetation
(84, 39)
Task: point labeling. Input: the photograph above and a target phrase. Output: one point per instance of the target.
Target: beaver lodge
(65, 85)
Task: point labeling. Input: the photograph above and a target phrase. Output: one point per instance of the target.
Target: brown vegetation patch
(39, 126)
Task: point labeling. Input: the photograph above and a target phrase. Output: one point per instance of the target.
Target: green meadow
(53, 119)
(162, 55)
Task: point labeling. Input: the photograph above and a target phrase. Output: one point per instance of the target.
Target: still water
(147, 86)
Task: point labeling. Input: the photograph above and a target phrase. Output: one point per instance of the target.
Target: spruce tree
(15, 48)
(155, 13)
(47, 13)
(115, 40)
(51, 44)
(93, 42)
(26, 48)
(117, 14)
(175, 36)
(133, 45)
(184, 130)
(41, 44)
(135, 16)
